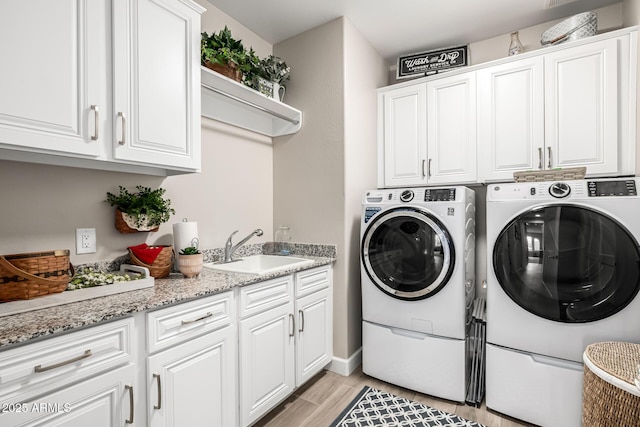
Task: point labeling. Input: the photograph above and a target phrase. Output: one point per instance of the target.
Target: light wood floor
(319, 402)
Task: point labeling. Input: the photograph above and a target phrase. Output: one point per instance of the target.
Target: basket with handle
(34, 274)
(161, 266)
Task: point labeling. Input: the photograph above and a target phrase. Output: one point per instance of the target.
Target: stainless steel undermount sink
(260, 264)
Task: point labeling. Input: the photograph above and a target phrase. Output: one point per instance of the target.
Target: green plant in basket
(191, 250)
(147, 206)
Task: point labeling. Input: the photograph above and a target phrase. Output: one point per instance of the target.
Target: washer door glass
(567, 263)
(407, 253)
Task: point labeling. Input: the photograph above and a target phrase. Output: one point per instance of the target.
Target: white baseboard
(345, 367)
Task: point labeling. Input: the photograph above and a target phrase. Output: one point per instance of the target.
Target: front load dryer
(418, 285)
(563, 272)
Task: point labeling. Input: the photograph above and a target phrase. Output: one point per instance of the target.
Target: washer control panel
(440, 195)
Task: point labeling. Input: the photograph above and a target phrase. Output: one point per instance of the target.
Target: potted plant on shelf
(223, 54)
(144, 210)
(190, 261)
(275, 74)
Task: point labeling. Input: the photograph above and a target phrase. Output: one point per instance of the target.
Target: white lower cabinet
(103, 401)
(286, 337)
(192, 379)
(267, 352)
(184, 365)
(314, 327)
(78, 379)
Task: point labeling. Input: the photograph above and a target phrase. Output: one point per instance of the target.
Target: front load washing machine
(563, 272)
(418, 286)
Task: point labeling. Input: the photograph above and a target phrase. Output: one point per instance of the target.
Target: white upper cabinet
(105, 84)
(428, 132)
(157, 83)
(581, 107)
(404, 136)
(451, 129)
(53, 77)
(564, 106)
(569, 107)
(510, 118)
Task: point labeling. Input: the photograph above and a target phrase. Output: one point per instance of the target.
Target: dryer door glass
(407, 253)
(567, 263)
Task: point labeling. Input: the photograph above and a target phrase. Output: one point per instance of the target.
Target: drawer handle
(429, 169)
(549, 160)
(301, 321)
(159, 405)
(39, 368)
(96, 122)
(424, 168)
(292, 325)
(129, 388)
(186, 322)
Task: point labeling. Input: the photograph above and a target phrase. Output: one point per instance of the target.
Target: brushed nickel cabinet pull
(39, 368)
(124, 127)
(186, 322)
(130, 390)
(301, 313)
(540, 158)
(159, 405)
(424, 168)
(292, 325)
(549, 160)
(429, 169)
(96, 116)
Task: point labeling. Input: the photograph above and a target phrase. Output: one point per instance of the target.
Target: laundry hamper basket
(610, 396)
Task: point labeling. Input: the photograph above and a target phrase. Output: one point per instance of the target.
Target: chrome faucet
(229, 248)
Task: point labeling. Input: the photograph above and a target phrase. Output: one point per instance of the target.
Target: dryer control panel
(612, 188)
(440, 195)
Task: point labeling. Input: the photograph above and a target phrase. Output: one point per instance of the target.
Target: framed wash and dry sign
(431, 62)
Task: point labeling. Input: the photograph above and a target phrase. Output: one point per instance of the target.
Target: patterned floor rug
(377, 408)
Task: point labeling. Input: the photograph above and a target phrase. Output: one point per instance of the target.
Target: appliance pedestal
(425, 363)
(538, 389)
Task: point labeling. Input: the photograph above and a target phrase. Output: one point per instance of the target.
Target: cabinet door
(510, 118)
(404, 136)
(581, 100)
(267, 365)
(104, 400)
(157, 83)
(194, 383)
(451, 123)
(54, 74)
(314, 348)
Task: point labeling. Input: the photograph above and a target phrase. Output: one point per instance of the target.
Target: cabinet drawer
(262, 296)
(310, 281)
(172, 325)
(61, 360)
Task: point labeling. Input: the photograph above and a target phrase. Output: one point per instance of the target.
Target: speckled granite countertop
(176, 288)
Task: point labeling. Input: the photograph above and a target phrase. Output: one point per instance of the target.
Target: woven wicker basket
(229, 70)
(34, 274)
(605, 404)
(123, 227)
(550, 175)
(161, 266)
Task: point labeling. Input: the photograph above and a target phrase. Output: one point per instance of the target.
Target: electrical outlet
(85, 241)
